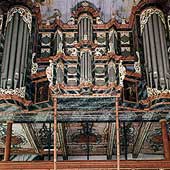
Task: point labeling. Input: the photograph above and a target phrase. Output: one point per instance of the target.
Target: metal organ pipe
(14, 42)
(150, 69)
(155, 48)
(159, 53)
(164, 52)
(153, 52)
(85, 33)
(6, 54)
(18, 53)
(19, 22)
(86, 67)
(145, 55)
(24, 56)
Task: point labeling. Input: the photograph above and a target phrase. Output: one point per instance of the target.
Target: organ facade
(86, 64)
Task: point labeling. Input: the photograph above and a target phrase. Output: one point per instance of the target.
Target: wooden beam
(117, 134)
(165, 139)
(84, 165)
(111, 140)
(141, 138)
(62, 140)
(8, 142)
(55, 133)
(21, 151)
(28, 129)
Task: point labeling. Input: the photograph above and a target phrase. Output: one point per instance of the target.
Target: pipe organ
(85, 56)
(17, 37)
(153, 30)
(86, 69)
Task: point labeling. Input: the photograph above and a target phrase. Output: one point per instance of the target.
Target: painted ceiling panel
(87, 137)
(153, 142)
(108, 8)
(19, 137)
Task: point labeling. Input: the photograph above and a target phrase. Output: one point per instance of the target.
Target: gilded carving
(146, 14)
(137, 64)
(156, 92)
(122, 73)
(18, 92)
(34, 65)
(24, 13)
(50, 72)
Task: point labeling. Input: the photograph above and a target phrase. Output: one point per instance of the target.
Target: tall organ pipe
(19, 21)
(6, 55)
(14, 42)
(155, 48)
(146, 60)
(159, 53)
(150, 70)
(86, 67)
(164, 52)
(18, 53)
(24, 56)
(153, 52)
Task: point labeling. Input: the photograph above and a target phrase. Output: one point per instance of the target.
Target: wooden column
(117, 134)
(55, 133)
(8, 142)
(165, 139)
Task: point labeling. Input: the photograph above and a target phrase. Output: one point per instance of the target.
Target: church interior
(84, 84)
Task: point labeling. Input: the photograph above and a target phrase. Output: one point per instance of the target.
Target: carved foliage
(146, 14)
(122, 73)
(18, 92)
(24, 13)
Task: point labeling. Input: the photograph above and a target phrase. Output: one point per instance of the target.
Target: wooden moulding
(82, 165)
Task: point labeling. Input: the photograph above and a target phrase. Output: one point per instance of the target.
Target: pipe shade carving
(155, 48)
(15, 55)
(147, 13)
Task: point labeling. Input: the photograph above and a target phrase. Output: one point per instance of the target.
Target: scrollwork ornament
(24, 13)
(137, 64)
(122, 73)
(146, 14)
(34, 65)
(50, 72)
(156, 92)
(18, 92)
